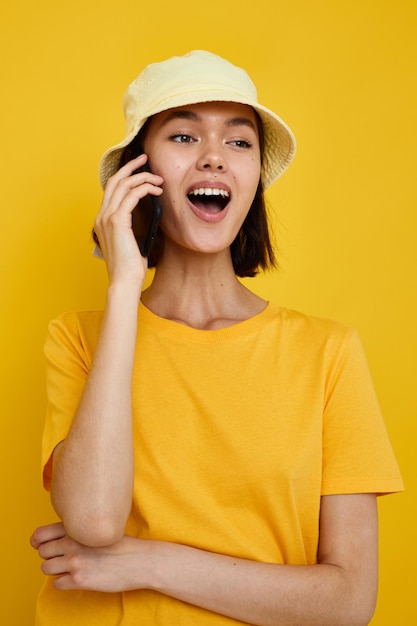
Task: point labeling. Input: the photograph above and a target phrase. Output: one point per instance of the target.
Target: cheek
(173, 208)
(252, 171)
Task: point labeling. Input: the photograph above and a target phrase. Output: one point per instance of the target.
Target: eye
(241, 143)
(182, 138)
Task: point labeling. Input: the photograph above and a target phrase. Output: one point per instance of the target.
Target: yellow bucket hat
(199, 76)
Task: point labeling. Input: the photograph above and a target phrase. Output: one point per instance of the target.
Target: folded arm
(340, 590)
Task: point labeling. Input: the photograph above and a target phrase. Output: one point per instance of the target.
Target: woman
(214, 458)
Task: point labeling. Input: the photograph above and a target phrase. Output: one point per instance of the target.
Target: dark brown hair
(251, 250)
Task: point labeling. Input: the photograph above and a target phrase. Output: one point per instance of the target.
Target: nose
(212, 159)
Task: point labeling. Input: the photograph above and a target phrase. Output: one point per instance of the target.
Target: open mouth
(210, 199)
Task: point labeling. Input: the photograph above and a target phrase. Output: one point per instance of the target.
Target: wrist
(124, 292)
(144, 568)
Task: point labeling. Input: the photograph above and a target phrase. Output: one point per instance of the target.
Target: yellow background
(343, 75)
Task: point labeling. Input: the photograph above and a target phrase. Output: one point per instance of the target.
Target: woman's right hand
(113, 224)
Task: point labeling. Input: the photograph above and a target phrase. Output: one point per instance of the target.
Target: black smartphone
(145, 217)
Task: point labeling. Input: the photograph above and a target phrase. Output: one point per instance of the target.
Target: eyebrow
(191, 115)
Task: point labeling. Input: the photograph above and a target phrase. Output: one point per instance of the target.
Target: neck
(200, 290)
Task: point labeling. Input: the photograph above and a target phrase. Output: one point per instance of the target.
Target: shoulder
(77, 319)
(301, 325)
(315, 342)
(75, 328)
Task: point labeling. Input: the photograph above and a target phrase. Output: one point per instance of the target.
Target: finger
(47, 533)
(65, 582)
(131, 166)
(130, 173)
(55, 567)
(125, 196)
(123, 172)
(116, 218)
(129, 190)
(53, 548)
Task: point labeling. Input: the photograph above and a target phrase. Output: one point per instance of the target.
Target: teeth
(209, 191)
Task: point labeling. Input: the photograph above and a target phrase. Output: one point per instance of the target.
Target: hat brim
(279, 141)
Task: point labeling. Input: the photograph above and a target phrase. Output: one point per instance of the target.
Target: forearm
(93, 468)
(258, 593)
(338, 591)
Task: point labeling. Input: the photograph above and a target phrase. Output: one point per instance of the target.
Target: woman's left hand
(109, 568)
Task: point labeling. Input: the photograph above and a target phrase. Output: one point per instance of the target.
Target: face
(209, 157)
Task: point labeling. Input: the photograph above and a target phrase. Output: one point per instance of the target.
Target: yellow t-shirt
(238, 433)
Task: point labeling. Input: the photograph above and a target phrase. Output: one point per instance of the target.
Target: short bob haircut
(251, 250)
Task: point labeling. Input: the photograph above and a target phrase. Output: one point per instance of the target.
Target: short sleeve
(68, 351)
(357, 454)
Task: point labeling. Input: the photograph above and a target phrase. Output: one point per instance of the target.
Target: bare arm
(93, 468)
(338, 591)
